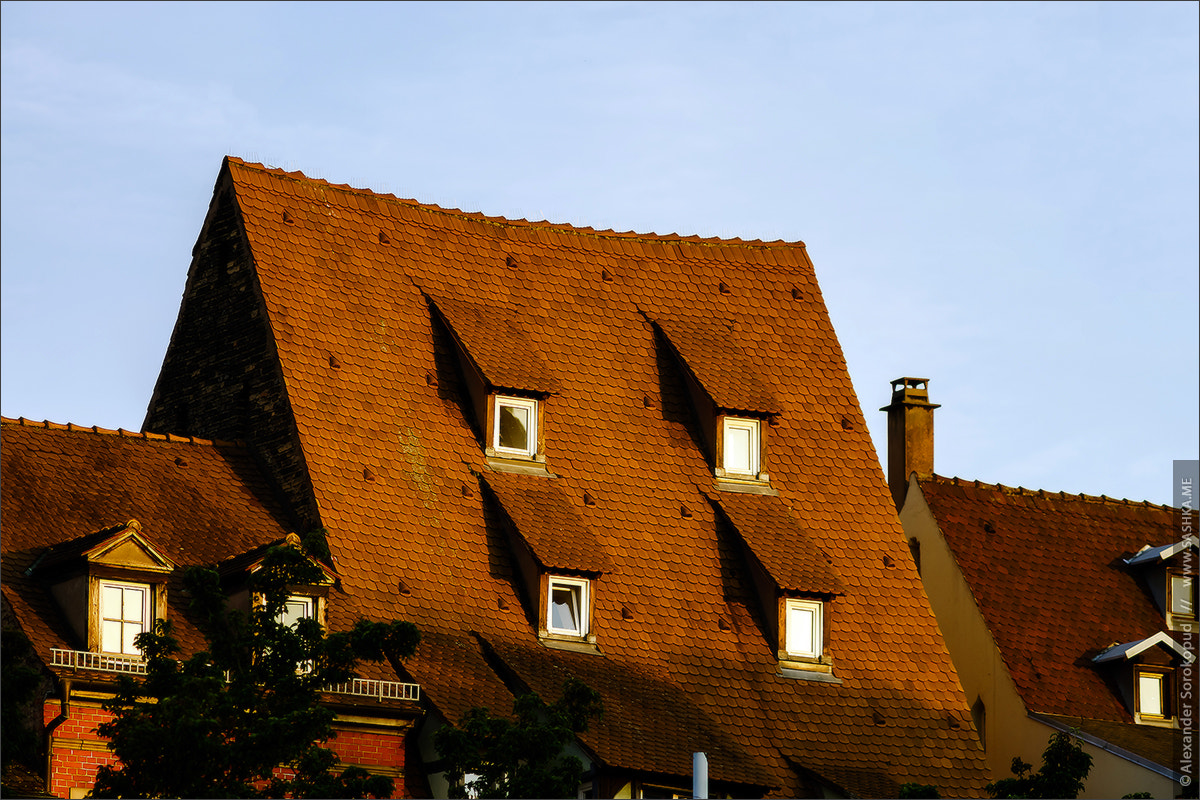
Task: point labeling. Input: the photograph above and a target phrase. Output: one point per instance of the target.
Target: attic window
(1153, 695)
(514, 427)
(124, 613)
(298, 607)
(741, 447)
(803, 628)
(1181, 601)
(567, 606)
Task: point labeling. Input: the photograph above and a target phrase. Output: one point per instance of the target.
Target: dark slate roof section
(1048, 572)
(548, 523)
(779, 542)
(710, 351)
(497, 344)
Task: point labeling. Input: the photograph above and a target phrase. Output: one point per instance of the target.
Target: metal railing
(101, 662)
(136, 665)
(380, 690)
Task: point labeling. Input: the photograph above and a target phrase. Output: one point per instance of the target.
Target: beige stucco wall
(1008, 729)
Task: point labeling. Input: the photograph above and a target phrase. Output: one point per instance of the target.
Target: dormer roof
(710, 352)
(1162, 553)
(1131, 650)
(497, 345)
(545, 519)
(122, 546)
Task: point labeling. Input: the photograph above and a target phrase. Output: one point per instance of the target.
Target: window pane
(110, 602)
(1181, 595)
(297, 608)
(133, 608)
(801, 630)
(1150, 694)
(564, 608)
(737, 449)
(110, 636)
(130, 630)
(514, 427)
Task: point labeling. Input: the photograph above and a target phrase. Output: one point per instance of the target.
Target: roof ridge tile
(72, 427)
(1042, 493)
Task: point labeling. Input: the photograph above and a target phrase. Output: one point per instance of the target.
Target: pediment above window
(123, 547)
(1144, 672)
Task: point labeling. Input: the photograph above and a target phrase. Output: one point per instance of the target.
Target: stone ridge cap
(148, 436)
(1042, 493)
(504, 222)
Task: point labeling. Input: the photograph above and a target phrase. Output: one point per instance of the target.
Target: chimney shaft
(910, 434)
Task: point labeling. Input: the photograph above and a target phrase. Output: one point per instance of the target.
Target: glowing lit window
(803, 625)
(296, 609)
(1151, 688)
(740, 446)
(515, 427)
(124, 613)
(567, 609)
(1181, 601)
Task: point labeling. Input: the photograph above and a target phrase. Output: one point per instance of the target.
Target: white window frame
(1177, 620)
(816, 640)
(1160, 680)
(753, 427)
(309, 603)
(106, 614)
(532, 430)
(584, 587)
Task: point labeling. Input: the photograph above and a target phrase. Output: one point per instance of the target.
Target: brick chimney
(910, 434)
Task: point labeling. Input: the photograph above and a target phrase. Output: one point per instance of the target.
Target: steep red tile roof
(1048, 575)
(197, 501)
(343, 275)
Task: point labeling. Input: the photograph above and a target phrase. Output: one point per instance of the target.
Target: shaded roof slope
(389, 443)
(199, 502)
(1047, 573)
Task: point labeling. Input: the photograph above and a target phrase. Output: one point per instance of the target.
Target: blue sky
(1000, 197)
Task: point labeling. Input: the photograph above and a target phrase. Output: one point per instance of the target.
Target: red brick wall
(76, 752)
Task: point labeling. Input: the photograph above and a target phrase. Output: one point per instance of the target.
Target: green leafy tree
(918, 790)
(522, 757)
(218, 724)
(19, 681)
(1064, 768)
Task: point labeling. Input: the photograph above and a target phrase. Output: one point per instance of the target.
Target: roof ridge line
(1043, 493)
(504, 222)
(96, 429)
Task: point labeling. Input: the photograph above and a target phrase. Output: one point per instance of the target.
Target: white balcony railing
(136, 665)
(101, 662)
(380, 690)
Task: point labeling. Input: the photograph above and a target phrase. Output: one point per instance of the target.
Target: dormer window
(514, 426)
(567, 610)
(124, 613)
(1153, 698)
(1181, 601)
(298, 607)
(741, 447)
(803, 622)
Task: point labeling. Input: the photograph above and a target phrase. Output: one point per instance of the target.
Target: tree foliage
(1064, 768)
(522, 757)
(219, 723)
(20, 681)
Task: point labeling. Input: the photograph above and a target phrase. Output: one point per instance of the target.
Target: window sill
(574, 644)
(808, 670)
(1154, 722)
(748, 485)
(522, 466)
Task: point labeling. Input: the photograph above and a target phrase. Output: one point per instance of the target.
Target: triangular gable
(123, 546)
(1131, 650)
(1152, 555)
(711, 355)
(545, 519)
(250, 561)
(497, 346)
(779, 542)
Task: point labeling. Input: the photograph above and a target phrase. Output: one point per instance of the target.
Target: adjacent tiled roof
(497, 344)
(544, 518)
(709, 350)
(1146, 741)
(1047, 571)
(344, 274)
(779, 542)
(198, 502)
